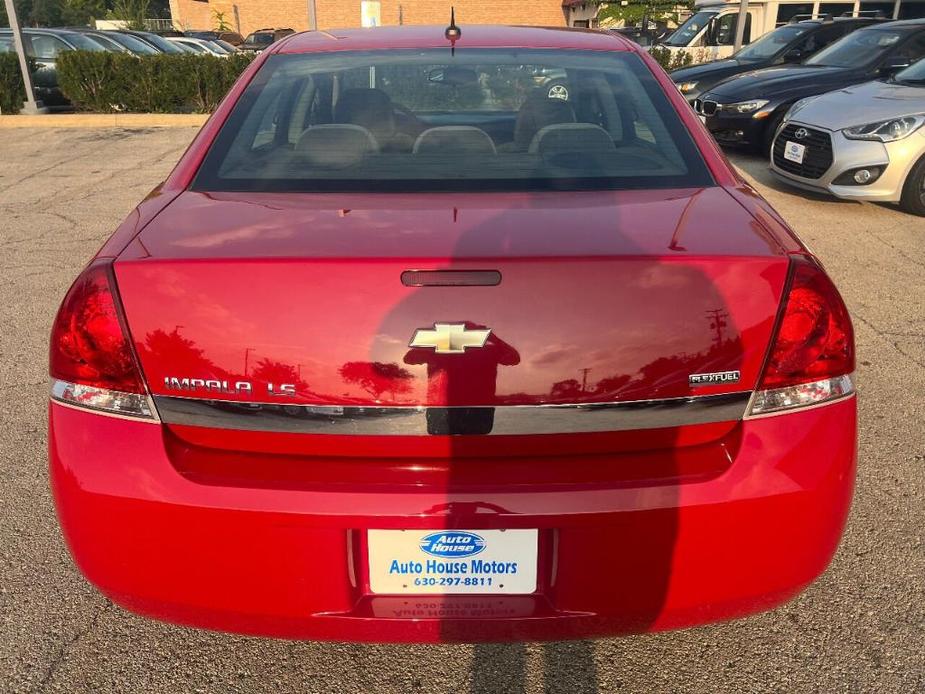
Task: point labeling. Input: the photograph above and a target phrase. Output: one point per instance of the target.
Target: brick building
(245, 16)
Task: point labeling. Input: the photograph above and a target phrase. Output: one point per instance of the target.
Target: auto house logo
(452, 544)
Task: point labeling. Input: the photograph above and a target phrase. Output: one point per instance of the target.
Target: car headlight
(746, 106)
(687, 87)
(797, 106)
(886, 130)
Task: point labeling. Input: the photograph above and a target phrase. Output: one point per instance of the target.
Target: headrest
(573, 145)
(536, 113)
(336, 146)
(571, 137)
(454, 140)
(370, 108)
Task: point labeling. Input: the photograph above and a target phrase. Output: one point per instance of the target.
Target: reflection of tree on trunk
(376, 377)
(461, 382)
(277, 372)
(184, 357)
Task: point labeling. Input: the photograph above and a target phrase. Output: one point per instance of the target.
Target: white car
(200, 45)
(864, 142)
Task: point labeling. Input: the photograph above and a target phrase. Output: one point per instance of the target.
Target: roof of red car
(473, 36)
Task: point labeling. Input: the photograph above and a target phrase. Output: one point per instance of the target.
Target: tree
(376, 377)
(132, 12)
(569, 388)
(277, 373)
(23, 11)
(221, 21)
(632, 12)
(82, 12)
(45, 13)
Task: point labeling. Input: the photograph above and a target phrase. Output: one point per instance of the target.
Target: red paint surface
(264, 533)
(630, 554)
(628, 285)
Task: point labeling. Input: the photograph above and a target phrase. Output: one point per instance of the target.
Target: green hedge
(12, 91)
(165, 83)
(672, 60)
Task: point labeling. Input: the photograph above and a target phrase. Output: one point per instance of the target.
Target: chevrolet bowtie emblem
(449, 338)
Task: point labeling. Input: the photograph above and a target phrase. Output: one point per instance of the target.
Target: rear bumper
(613, 559)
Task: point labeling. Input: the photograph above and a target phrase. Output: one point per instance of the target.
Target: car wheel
(557, 91)
(913, 198)
(767, 142)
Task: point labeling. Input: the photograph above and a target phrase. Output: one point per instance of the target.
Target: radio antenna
(452, 32)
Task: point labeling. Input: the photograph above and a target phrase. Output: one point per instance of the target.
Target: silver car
(864, 142)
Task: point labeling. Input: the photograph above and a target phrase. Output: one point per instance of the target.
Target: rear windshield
(423, 120)
(194, 47)
(85, 43)
(162, 44)
(858, 48)
(136, 46)
(772, 43)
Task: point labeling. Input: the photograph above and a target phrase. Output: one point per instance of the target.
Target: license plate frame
(423, 562)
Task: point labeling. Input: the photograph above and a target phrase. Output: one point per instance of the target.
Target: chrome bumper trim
(109, 403)
(423, 421)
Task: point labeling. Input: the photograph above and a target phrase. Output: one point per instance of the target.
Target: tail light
(91, 360)
(812, 355)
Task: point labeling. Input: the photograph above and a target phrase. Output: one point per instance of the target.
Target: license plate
(449, 562)
(794, 152)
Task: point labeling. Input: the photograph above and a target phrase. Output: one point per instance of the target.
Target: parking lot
(861, 627)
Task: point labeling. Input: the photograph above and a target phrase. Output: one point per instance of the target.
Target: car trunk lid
(298, 300)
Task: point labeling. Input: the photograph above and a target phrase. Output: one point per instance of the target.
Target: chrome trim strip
(799, 408)
(108, 403)
(841, 387)
(421, 421)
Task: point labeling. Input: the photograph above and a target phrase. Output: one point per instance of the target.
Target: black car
(263, 38)
(116, 41)
(44, 46)
(125, 41)
(154, 40)
(747, 109)
(791, 43)
(232, 37)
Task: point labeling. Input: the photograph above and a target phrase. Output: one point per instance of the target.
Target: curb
(106, 120)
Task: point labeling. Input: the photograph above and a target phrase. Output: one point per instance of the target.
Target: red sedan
(412, 347)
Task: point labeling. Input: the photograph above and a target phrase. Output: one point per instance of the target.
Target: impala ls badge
(449, 338)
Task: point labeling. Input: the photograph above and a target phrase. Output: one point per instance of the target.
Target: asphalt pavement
(860, 628)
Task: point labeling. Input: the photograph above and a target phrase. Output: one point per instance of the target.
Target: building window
(836, 9)
(886, 8)
(911, 10)
(786, 12)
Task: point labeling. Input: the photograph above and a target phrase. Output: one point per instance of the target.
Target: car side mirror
(894, 64)
(794, 55)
